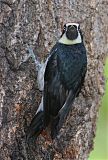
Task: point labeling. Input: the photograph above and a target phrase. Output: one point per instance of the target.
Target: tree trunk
(39, 23)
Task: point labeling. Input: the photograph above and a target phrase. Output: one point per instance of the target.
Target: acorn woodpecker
(63, 76)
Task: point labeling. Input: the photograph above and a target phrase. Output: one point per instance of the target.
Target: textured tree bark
(39, 23)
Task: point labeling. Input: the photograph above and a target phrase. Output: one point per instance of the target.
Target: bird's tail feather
(62, 115)
(36, 126)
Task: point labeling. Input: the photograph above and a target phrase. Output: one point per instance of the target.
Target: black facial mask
(72, 32)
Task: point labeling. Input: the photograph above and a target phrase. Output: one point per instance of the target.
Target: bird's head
(71, 34)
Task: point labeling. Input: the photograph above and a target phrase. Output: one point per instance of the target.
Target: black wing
(54, 92)
(57, 96)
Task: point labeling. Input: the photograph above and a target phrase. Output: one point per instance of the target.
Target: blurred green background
(100, 151)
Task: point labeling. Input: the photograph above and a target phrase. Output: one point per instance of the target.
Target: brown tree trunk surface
(39, 23)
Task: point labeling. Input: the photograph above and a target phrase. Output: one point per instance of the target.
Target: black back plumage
(65, 71)
(63, 78)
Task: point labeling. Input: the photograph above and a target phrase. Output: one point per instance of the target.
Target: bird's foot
(46, 135)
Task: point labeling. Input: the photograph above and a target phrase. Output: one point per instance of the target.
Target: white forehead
(68, 24)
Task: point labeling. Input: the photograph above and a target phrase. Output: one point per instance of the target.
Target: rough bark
(39, 23)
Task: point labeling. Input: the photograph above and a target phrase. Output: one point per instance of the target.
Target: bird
(63, 77)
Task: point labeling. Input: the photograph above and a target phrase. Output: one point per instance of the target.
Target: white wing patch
(40, 77)
(40, 108)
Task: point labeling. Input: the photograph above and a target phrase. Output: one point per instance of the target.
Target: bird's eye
(79, 27)
(64, 27)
